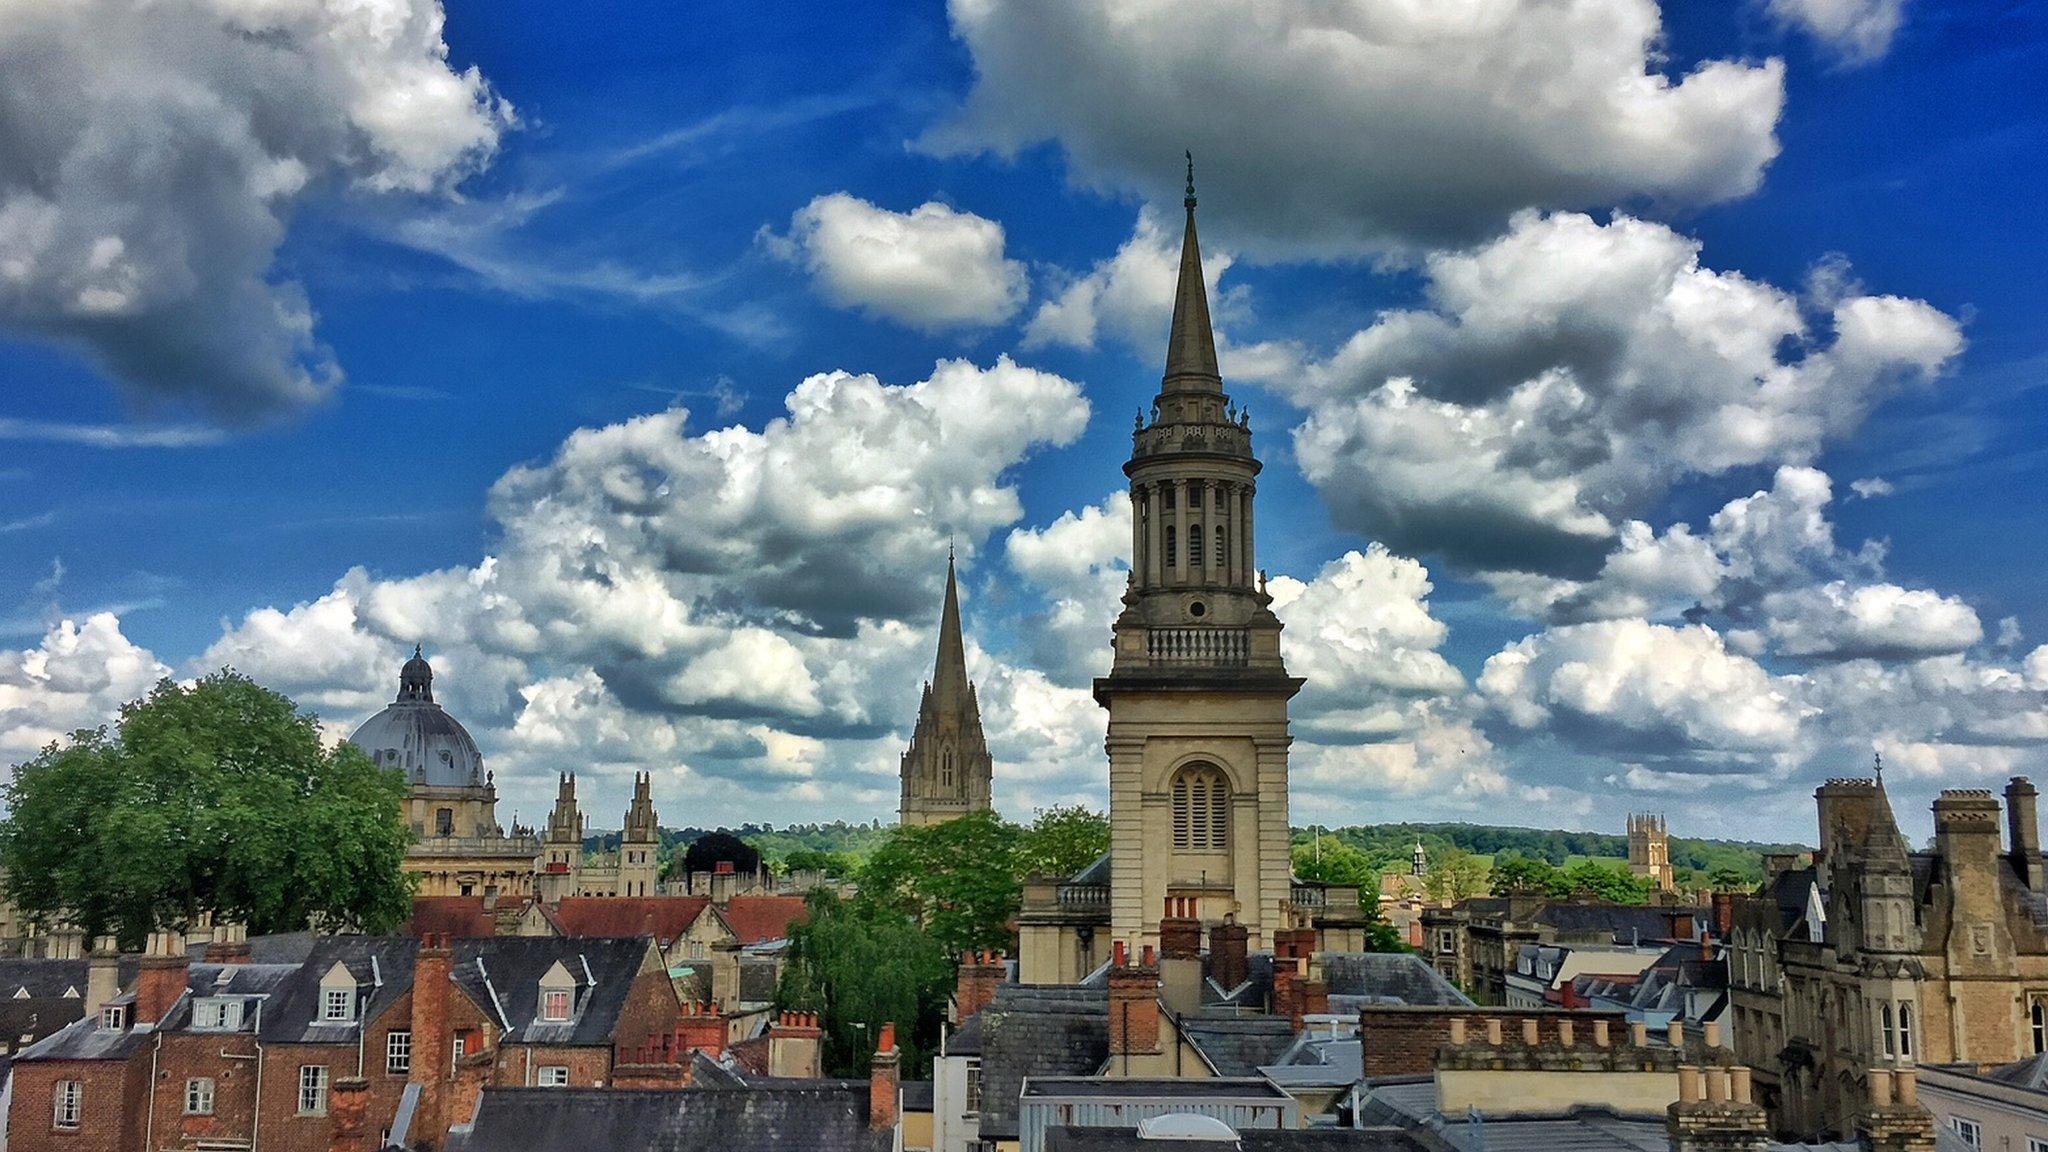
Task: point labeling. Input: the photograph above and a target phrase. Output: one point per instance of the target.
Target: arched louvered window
(1201, 809)
(1194, 545)
(1172, 548)
(1222, 544)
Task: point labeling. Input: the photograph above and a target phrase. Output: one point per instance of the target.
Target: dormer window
(114, 1018)
(557, 995)
(215, 1013)
(337, 995)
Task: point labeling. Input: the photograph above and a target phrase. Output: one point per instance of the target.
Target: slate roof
(1254, 994)
(1623, 923)
(917, 1095)
(706, 1072)
(84, 1040)
(968, 1039)
(1239, 1045)
(1250, 1140)
(2030, 1073)
(1386, 978)
(1035, 1030)
(1319, 1062)
(757, 919)
(503, 975)
(778, 1116)
(382, 967)
(662, 917)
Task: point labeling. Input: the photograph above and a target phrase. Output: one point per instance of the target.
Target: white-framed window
(2036, 1144)
(199, 1096)
(1905, 1031)
(312, 1089)
(337, 1003)
(68, 1105)
(1971, 1133)
(398, 1052)
(1201, 809)
(2037, 1021)
(554, 1004)
(460, 1046)
(114, 1017)
(211, 1013)
(553, 1076)
(1888, 1040)
(973, 1101)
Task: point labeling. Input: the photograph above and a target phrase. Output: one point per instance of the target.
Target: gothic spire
(1191, 349)
(949, 674)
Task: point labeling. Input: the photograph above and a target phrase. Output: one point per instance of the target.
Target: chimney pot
(1531, 1031)
(1600, 1036)
(1493, 1031)
(1881, 1087)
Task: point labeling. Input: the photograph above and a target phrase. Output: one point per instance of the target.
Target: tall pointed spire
(949, 674)
(1191, 348)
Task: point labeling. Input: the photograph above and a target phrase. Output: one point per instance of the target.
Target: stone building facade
(1197, 692)
(451, 800)
(1881, 957)
(946, 771)
(563, 869)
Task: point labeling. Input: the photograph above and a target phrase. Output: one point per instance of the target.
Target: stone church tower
(1649, 851)
(563, 870)
(1197, 694)
(946, 770)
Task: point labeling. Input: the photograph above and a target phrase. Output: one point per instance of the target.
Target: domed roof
(416, 736)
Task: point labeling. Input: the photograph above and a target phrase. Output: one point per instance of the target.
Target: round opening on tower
(1198, 609)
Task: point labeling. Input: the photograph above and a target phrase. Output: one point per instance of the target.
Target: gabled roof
(1238, 1045)
(1387, 978)
(502, 976)
(1037, 1030)
(663, 917)
(773, 1116)
(968, 1040)
(758, 919)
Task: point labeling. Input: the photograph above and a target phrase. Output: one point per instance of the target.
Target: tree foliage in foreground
(1585, 878)
(859, 966)
(963, 879)
(215, 797)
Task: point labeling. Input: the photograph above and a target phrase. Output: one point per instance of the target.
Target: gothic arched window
(2038, 1017)
(946, 768)
(1201, 809)
(1905, 1031)
(1885, 1015)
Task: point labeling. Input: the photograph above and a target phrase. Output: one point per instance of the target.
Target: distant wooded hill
(1391, 845)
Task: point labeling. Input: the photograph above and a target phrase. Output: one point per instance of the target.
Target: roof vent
(1186, 1126)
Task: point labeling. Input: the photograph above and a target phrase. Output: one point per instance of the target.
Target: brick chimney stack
(981, 973)
(1133, 1005)
(1230, 953)
(1180, 931)
(433, 984)
(1896, 1121)
(884, 1094)
(347, 1104)
(162, 978)
(1714, 1112)
(702, 1029)
(229, 944)
(794, 1046)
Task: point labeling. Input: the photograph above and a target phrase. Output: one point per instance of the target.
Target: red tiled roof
(755, 919)
(463, 917)
(662, 917)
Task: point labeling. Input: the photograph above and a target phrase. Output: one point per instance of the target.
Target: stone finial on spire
(1191, 348)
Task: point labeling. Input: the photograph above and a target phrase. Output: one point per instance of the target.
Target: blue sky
(1683, 364)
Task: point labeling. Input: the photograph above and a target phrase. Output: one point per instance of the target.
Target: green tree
(219, 797)
(833, 864)
(1062, 840)
(1602, 882)
(1514, 873)
(1727, 879)
(1454, 874)
(859, 966)
(959, 879)
(1328, 860)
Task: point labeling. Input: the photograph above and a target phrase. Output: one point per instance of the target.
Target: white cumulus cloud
(932, 268)
(1855, 32)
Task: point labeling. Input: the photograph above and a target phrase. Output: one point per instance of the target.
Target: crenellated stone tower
(563, 870)
(1649, 851)
(946, 770)
(1197, 693)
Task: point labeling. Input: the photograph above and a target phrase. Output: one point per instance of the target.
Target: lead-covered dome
(419, 737)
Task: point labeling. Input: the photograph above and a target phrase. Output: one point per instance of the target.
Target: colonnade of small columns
(1219, 510)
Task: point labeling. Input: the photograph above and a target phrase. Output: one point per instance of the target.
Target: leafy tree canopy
(1062, 840)
(218, 797)
(859, 966)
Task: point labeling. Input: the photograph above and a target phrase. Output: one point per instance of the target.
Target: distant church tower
(946, 770)
(1197, 694)
(1649, 851)
(561, 857)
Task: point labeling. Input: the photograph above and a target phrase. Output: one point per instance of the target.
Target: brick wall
(108, 1121)
(519, 1065)
(227, 1059)
(1403, 1041)
(285, 1129)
